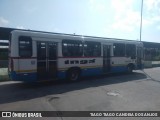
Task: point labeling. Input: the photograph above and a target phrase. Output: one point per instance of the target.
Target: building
(151, 49)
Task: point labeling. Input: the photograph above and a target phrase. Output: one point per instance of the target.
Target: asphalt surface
(139, 91)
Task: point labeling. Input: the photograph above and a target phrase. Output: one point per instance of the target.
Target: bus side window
(119, 49)
(72, 48)
(25, 46)
(130, 50)
(92, 49)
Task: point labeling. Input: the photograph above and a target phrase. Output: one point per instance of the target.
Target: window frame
(71, 42)
(93, 42)
(131, 55)
(124, 50)
(31, 45)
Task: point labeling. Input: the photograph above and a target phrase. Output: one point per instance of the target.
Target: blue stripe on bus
(32, 77)
(118, 69)
(91, 71)
(61, 74)
(26, 77)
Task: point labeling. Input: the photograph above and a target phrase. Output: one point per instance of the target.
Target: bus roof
(63, 35)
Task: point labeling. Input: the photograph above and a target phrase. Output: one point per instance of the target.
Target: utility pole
(141, 20)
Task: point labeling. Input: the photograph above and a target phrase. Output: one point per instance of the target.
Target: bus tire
(73, 74)
(130, 68)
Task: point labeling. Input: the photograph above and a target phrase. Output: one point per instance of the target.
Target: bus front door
(46, 60)
(106, 58)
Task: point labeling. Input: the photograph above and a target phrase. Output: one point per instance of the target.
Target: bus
(42, 56)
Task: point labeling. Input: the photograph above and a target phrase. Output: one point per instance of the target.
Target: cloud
(129, 23)
(146, 22)
(31, 9)
(149, 4)
(3, 22)
(158, 27)
(97, 5)
(151, 12)
(20, 27)
(121, 6)
(56, 30)
(152, 4)
(125, 17)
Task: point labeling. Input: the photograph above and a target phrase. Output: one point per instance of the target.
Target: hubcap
(74, 75)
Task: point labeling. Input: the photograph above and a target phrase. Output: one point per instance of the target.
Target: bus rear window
(25, 46)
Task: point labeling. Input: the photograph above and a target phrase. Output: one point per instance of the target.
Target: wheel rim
(74, 75)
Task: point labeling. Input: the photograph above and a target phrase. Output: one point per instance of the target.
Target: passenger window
(72, 48)
(92, 49)
(25, 46)
(130, 50)
(119, 49)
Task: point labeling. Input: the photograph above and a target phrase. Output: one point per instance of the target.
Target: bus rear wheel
(73, 75)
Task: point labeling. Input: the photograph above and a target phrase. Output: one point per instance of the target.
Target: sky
(101, 18)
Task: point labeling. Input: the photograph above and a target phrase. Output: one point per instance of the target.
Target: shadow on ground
(14, 92)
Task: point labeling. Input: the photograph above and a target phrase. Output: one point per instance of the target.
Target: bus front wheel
(73, 75)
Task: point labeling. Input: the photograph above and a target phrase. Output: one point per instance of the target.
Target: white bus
(41, 56)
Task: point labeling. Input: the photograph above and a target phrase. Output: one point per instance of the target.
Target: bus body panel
(25, 68)
(88, 65)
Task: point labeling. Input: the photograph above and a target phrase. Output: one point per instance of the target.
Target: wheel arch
(71, 69)
(74, 68)
(132, 65)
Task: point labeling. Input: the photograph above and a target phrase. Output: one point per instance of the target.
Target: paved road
(126, 92)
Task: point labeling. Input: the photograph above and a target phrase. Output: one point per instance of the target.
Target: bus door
(106, 58)
(139, 57)
(46, 60)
